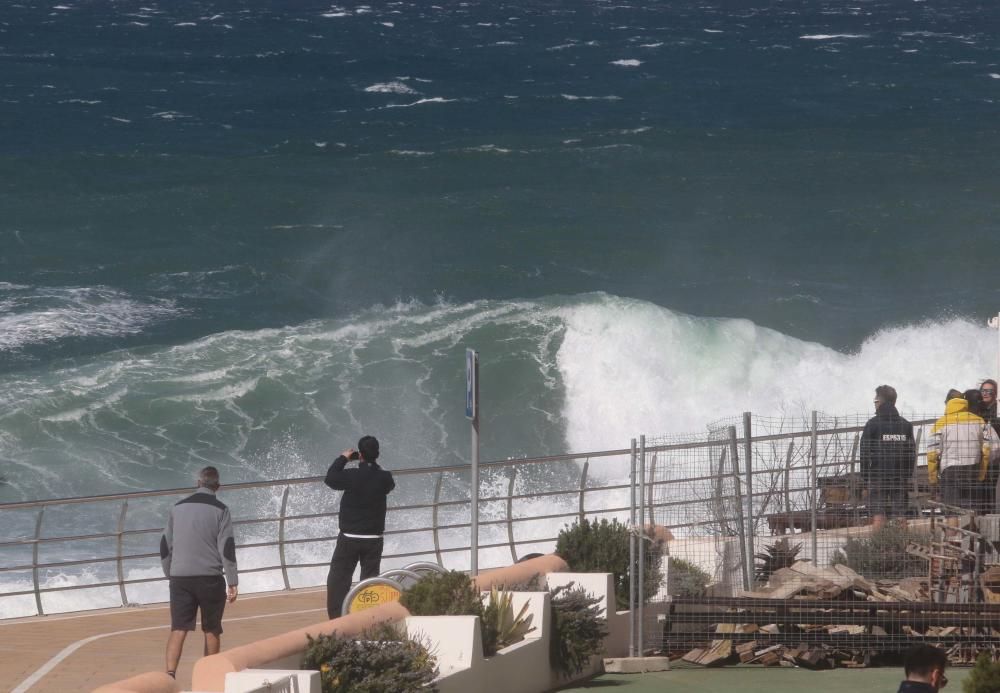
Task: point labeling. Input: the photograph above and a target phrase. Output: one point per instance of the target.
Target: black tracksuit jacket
(887, 445)
(362, 507)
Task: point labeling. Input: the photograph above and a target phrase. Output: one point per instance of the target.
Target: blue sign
(471, 384)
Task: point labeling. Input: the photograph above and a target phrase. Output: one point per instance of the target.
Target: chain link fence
(777, 541)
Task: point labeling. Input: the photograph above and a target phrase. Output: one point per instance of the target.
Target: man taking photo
(361, 519)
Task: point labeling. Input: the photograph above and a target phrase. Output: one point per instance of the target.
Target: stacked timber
(804, 580)
(803, 617)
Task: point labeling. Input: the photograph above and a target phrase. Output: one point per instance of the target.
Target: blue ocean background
(244, 233)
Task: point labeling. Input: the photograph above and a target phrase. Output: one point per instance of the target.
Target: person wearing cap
(361, 519)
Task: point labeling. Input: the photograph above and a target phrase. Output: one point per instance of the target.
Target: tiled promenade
(78, 652)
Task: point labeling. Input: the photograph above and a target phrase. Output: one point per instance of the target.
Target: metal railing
(569, 498)
(517, 516)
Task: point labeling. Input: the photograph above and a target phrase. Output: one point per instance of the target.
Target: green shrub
(883, 554)
(984, 677)
(578, 629)
(383, 661)
(685, 579)
(451, 594)
(443, 594)
(780, 554)
(603, 547)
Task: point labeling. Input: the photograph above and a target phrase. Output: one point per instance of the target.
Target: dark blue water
(243, 232)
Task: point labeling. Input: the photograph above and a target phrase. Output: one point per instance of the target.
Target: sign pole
(472, 413)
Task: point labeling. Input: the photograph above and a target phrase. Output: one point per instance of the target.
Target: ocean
(246, 232)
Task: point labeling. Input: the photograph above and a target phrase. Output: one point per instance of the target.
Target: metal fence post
(813, 451)
(34, 561)
(642, 544)
(734, 456)
(751, 526)
(510, 512)
(583, 488)
(281, 538)
(631, 555)
(119, 540)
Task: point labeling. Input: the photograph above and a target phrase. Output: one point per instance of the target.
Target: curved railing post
(510, 514)
(583, 488)
(281, 537)
(434, 514)
(34, 562)
(121, 565)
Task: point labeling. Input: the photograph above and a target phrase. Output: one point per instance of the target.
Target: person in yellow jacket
(959, 452)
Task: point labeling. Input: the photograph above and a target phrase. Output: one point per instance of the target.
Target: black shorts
(188, 594)
(888, 495)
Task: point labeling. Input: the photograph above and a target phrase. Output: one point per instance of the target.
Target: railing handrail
(693, 445)
(129, 495)
(438, 525)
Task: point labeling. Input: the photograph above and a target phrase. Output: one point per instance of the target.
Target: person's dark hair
(887, 393)
(975, 400)
(368, 447)
(952, 394)
(988, 381)
(208, 478)
(922, 660)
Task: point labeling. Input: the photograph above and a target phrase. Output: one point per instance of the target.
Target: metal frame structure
(574, 501)
(606, 485)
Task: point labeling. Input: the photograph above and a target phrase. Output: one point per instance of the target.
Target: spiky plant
(780, 554)
(499, 619)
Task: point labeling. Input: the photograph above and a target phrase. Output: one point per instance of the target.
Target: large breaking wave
(559, 374)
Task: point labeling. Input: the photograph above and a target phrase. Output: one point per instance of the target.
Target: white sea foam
(169, 115)
(827, 37)
(227, 393)
(420, 102)
(627, 62)
(59, 313)
(995, 75)
(390, 88)
(574, 97)
(488, 148)
(632, 366)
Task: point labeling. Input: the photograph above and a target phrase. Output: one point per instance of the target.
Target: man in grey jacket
(196, 549)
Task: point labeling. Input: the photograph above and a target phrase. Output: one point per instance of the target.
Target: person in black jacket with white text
(362, 519)
(888, 458)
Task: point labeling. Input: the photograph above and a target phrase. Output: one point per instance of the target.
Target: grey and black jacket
(198, 539)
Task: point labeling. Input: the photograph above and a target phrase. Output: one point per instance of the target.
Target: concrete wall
(285, 651)
(150, 682)
(524, 666)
